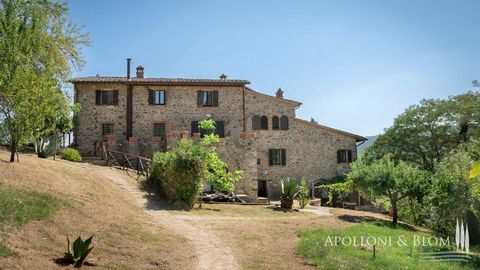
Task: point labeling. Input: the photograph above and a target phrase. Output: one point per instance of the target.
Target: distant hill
(364, 146)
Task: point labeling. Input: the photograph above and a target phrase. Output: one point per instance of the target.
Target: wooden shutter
(275, 123)
(349, 156)
(220, 128)
(283, 156)
(339, 157)
(195, 127)
(264, 122)
(98, 97)
(199, 98)
(214, 98)
(115, 97)
(270, 157)
(150, 96)
(164, 97)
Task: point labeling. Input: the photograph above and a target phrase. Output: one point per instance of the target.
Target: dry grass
(124, 237)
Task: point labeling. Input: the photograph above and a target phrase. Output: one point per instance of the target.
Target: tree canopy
(39, 47)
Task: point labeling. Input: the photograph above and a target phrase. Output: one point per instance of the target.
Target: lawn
(315, 245)
(19, 207)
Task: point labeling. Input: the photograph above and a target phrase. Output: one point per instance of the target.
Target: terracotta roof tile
(179, 81)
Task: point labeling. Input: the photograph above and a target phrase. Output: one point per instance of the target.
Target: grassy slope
(312, 245)
(124, 236)
(19, 207)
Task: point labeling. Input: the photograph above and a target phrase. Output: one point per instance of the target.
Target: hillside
(364, 146)
(79, 199)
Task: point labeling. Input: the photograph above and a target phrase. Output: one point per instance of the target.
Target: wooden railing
(125, 161)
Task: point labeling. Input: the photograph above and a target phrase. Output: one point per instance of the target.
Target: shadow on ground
(376, 221)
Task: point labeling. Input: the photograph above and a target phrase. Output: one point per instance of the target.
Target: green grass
(317, 249)
(19, 206)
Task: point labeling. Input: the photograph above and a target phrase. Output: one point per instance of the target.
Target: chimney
(140, 72)
(279, 93)
(223, 77)
(128, 68)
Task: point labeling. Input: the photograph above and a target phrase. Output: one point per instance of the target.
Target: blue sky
(355, 65)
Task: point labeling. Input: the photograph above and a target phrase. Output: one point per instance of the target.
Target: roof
(167, 81)
(358, 138)
(293, 102)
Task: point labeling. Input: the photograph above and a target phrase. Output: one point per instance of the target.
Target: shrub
(303, 196)
(181, 173)
(71, 154)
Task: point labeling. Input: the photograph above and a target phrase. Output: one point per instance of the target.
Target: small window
(256, 122)
(275, 123)
(107, 129)
(264, 122)
(159, 130)
(284, 122)
(258, 161)
(344, 156)
(109, 97)
(207, 98)
(277, 157)
(156, 97)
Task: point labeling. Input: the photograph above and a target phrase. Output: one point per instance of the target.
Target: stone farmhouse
(259, 133)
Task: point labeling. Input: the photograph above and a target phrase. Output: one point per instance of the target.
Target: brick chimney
(279, 93)
(140, 72)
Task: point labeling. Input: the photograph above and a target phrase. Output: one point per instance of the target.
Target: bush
(303, 196)
(71, 154)
(181, 173)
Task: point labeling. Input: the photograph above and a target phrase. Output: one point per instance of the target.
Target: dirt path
(212, 253)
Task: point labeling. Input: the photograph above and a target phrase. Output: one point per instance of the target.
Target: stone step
(263, 200)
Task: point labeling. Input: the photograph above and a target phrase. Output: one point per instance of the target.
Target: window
(219, 128)
(159, 130)
(107, 129)
(277, 157)
(109, 97)
(344, 156)
(156, 97)
(284, 122)
(256, 122)
(207, 98)
(275, 123)
(264, 122)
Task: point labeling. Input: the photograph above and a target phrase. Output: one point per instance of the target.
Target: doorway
(262, 189)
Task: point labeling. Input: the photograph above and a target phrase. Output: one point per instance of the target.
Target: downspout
(243, 108)
(75, 117)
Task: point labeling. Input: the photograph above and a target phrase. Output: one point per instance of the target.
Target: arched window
(275, 123)
(256, 122)
(264, 122)
(284, 122)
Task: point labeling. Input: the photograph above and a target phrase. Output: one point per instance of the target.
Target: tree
(312, 120)
(425, 133)
(453, 193)
(386, 178)
(39, 46)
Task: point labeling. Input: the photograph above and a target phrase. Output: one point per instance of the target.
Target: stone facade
(311, 150)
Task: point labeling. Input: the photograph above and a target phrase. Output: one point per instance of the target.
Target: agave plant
(81, 249)
(290, 190)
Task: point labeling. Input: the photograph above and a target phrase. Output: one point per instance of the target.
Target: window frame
(263, 122)
(155, 129)
(153, 97)
(102, 96)
(275, 123)
(103, 129)
(284, 122)
(277, 157)
(345, 156)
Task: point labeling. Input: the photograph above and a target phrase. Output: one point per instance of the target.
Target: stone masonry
(311, 149)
